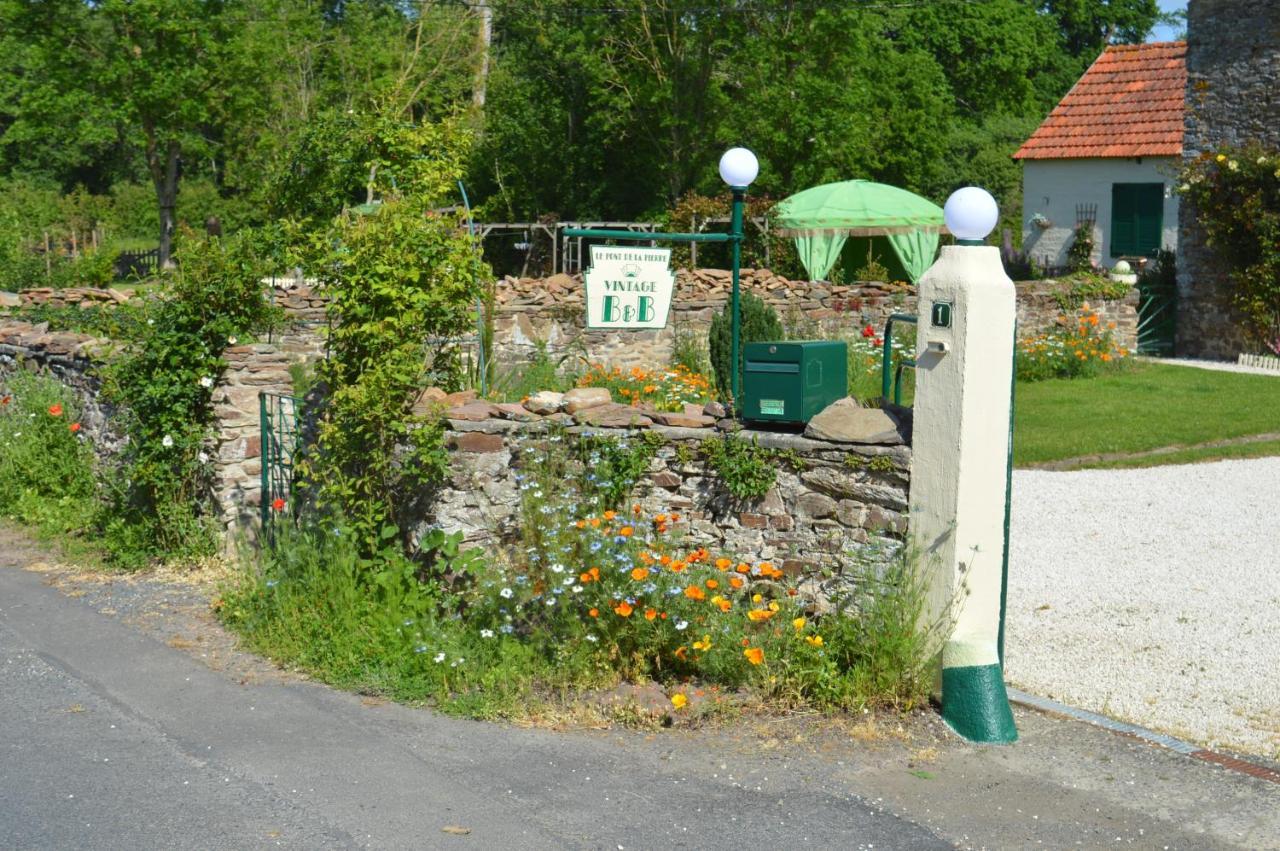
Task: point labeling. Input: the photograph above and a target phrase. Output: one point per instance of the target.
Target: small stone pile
(71, 297)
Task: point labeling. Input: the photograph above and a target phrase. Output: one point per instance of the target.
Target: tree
(156, 75)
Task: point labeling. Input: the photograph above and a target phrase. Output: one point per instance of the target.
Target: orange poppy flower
(647, 558)
(581, 524)
(609, 515)
(724, 604)
(636, 509)
(74, 427)
(678, 566)
(736, 581)
(624, 609)
(759, 614)
(639, 574)
(675, 518)
(743, 567)
(650, 614)
(584, 578)
(664, 561)
(595, 613)
(693, 592)
(754, 655)
(723, 563)
(277, 504)
(659, 518)
(595, 522)
(55, 410)
(712, 584)
(681, 653)
(626, 531)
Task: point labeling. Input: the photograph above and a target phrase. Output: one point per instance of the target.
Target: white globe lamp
(738, 167)
(971, 213)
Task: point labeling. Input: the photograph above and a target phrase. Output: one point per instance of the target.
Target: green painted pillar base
(975, 704)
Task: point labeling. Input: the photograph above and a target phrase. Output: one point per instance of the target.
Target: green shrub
(744, 468)
(46, 463)
(1235, 194)
(1080, 251)
(158, 506)
(758, 321)
(402, 281)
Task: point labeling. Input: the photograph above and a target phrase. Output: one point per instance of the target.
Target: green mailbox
(791, 382)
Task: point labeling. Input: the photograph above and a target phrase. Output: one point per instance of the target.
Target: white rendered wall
(1053, 188)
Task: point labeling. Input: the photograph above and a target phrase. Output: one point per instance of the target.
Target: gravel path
(1215, 365)
(1152, 595)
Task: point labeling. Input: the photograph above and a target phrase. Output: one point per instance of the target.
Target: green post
(264, 435)
(735, 235)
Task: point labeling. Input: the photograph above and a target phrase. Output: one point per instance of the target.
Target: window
(1137, 218)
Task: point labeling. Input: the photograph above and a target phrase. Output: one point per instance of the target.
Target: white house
(1108, 155)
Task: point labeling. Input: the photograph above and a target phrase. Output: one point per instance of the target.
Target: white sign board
(629, 287)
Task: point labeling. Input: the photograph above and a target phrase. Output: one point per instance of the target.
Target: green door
(1137, 219)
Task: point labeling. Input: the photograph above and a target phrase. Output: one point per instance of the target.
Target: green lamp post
(738, 167)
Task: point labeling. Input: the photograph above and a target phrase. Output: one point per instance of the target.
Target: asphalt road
(113, 737)
(110, 739)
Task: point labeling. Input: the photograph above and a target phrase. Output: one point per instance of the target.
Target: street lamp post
(738, 167)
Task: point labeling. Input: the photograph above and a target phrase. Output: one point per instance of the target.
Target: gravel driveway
(1152, 595)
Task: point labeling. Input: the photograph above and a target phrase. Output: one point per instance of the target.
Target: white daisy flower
(167, 441)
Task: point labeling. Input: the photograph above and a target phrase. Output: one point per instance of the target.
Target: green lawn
(1145, 407)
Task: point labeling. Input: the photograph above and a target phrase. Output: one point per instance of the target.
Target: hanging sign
(629, 287)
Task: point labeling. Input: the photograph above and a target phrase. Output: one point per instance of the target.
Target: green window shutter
(1137, 218)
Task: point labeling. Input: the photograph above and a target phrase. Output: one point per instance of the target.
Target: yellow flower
(704, 644)
(798, 623)
(759, 614)
(815, 640)
(757, 598)
(1221, 158)
(755, 655)
(679, 700)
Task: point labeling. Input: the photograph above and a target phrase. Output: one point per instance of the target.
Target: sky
(1163, 33)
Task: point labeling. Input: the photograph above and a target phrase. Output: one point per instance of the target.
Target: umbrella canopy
(822, 218)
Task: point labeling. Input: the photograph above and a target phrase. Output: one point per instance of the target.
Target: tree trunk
(480, 89)
(163, 165)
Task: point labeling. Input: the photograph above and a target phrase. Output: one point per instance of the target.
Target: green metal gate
(278, 414)
(1157, 314)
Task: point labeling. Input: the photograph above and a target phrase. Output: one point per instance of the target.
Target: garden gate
(1157, 315)
(278, 414)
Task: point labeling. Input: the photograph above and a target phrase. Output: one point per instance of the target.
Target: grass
(1259, 449)
(1145, 407)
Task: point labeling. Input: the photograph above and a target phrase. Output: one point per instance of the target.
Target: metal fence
(278, 416)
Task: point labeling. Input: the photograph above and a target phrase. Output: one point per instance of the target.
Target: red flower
(75, 427)
(277, 504)
(868, 331)
(4, 400)
(55, 410)
(877, 342)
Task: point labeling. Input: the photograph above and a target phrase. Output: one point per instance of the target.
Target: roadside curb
(1231, 763)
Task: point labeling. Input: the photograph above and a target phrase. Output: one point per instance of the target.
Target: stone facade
(830, 499)
(1233, 70)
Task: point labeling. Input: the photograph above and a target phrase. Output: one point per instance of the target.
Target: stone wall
(71, 359)
(829, 499)
(234, 450)
(1233, 71)
(551, 311)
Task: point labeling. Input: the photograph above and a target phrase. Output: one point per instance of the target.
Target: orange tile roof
(1128, 104)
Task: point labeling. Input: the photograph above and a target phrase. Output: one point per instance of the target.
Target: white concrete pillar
(960, 446)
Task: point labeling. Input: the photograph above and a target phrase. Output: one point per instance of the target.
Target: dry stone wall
(550, 312)
(70, 358)
(1233, 70)
(830, 501)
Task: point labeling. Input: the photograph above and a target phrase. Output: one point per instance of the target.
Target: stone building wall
(830, 501)
(1233, 75)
